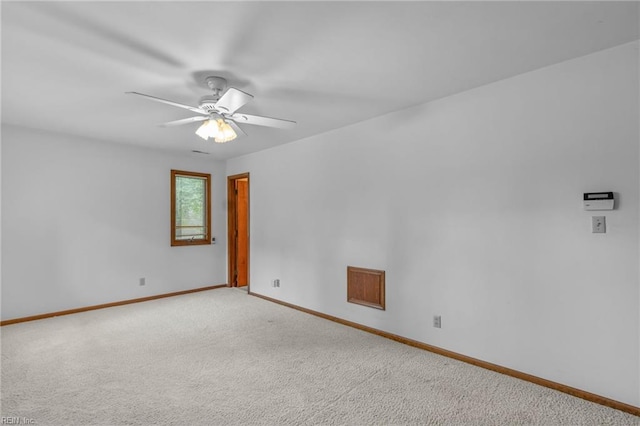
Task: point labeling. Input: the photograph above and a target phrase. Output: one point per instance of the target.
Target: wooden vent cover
(365, 287)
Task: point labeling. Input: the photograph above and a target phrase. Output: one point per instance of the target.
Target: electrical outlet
(275, 282)
(598, 225)
(437, 321)
(142, 281)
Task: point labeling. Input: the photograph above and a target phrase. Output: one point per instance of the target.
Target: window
(190, 208)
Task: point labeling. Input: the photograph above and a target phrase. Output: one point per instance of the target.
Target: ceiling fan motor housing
(208, 103)
(218, 86)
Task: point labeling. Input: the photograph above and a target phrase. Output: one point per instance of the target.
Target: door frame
(232, 225)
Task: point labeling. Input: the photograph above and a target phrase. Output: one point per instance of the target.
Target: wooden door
(242, 223)
(238, 230)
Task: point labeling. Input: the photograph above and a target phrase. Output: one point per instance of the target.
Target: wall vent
(365, 287)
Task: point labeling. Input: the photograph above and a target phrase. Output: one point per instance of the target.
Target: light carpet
(222, 357)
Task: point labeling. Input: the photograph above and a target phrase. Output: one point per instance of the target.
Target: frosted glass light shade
(225, 132)
(218, 129)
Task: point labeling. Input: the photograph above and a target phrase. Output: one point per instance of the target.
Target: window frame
(207, 179)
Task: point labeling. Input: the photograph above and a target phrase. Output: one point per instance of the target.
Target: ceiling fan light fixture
(217, 129)
(225, 132)
(205, 130)
(218, 112)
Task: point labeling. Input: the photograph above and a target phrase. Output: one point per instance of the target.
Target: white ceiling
(66, 65)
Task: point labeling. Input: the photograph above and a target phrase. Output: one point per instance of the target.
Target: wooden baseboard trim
(107, 305)
(631, 409)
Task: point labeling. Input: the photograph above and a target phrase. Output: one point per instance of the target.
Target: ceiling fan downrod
(217, 85)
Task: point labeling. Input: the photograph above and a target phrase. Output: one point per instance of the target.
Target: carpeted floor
(222, 357)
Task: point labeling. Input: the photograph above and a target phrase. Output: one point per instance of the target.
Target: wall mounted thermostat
(598, 200)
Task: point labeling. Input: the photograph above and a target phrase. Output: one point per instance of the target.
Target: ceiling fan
(218, 112)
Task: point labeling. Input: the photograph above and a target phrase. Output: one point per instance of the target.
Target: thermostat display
(598, 200)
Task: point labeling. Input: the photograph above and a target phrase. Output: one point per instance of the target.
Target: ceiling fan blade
(184, 121)
(232, 100)
(164, 101)
(236, 128)
(263, 121)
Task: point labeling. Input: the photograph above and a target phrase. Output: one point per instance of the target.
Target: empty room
(301, 213)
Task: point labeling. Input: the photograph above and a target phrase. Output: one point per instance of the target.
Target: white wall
(473, 206)
(83, 220)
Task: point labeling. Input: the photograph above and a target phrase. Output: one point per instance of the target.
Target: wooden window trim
(207, 238)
